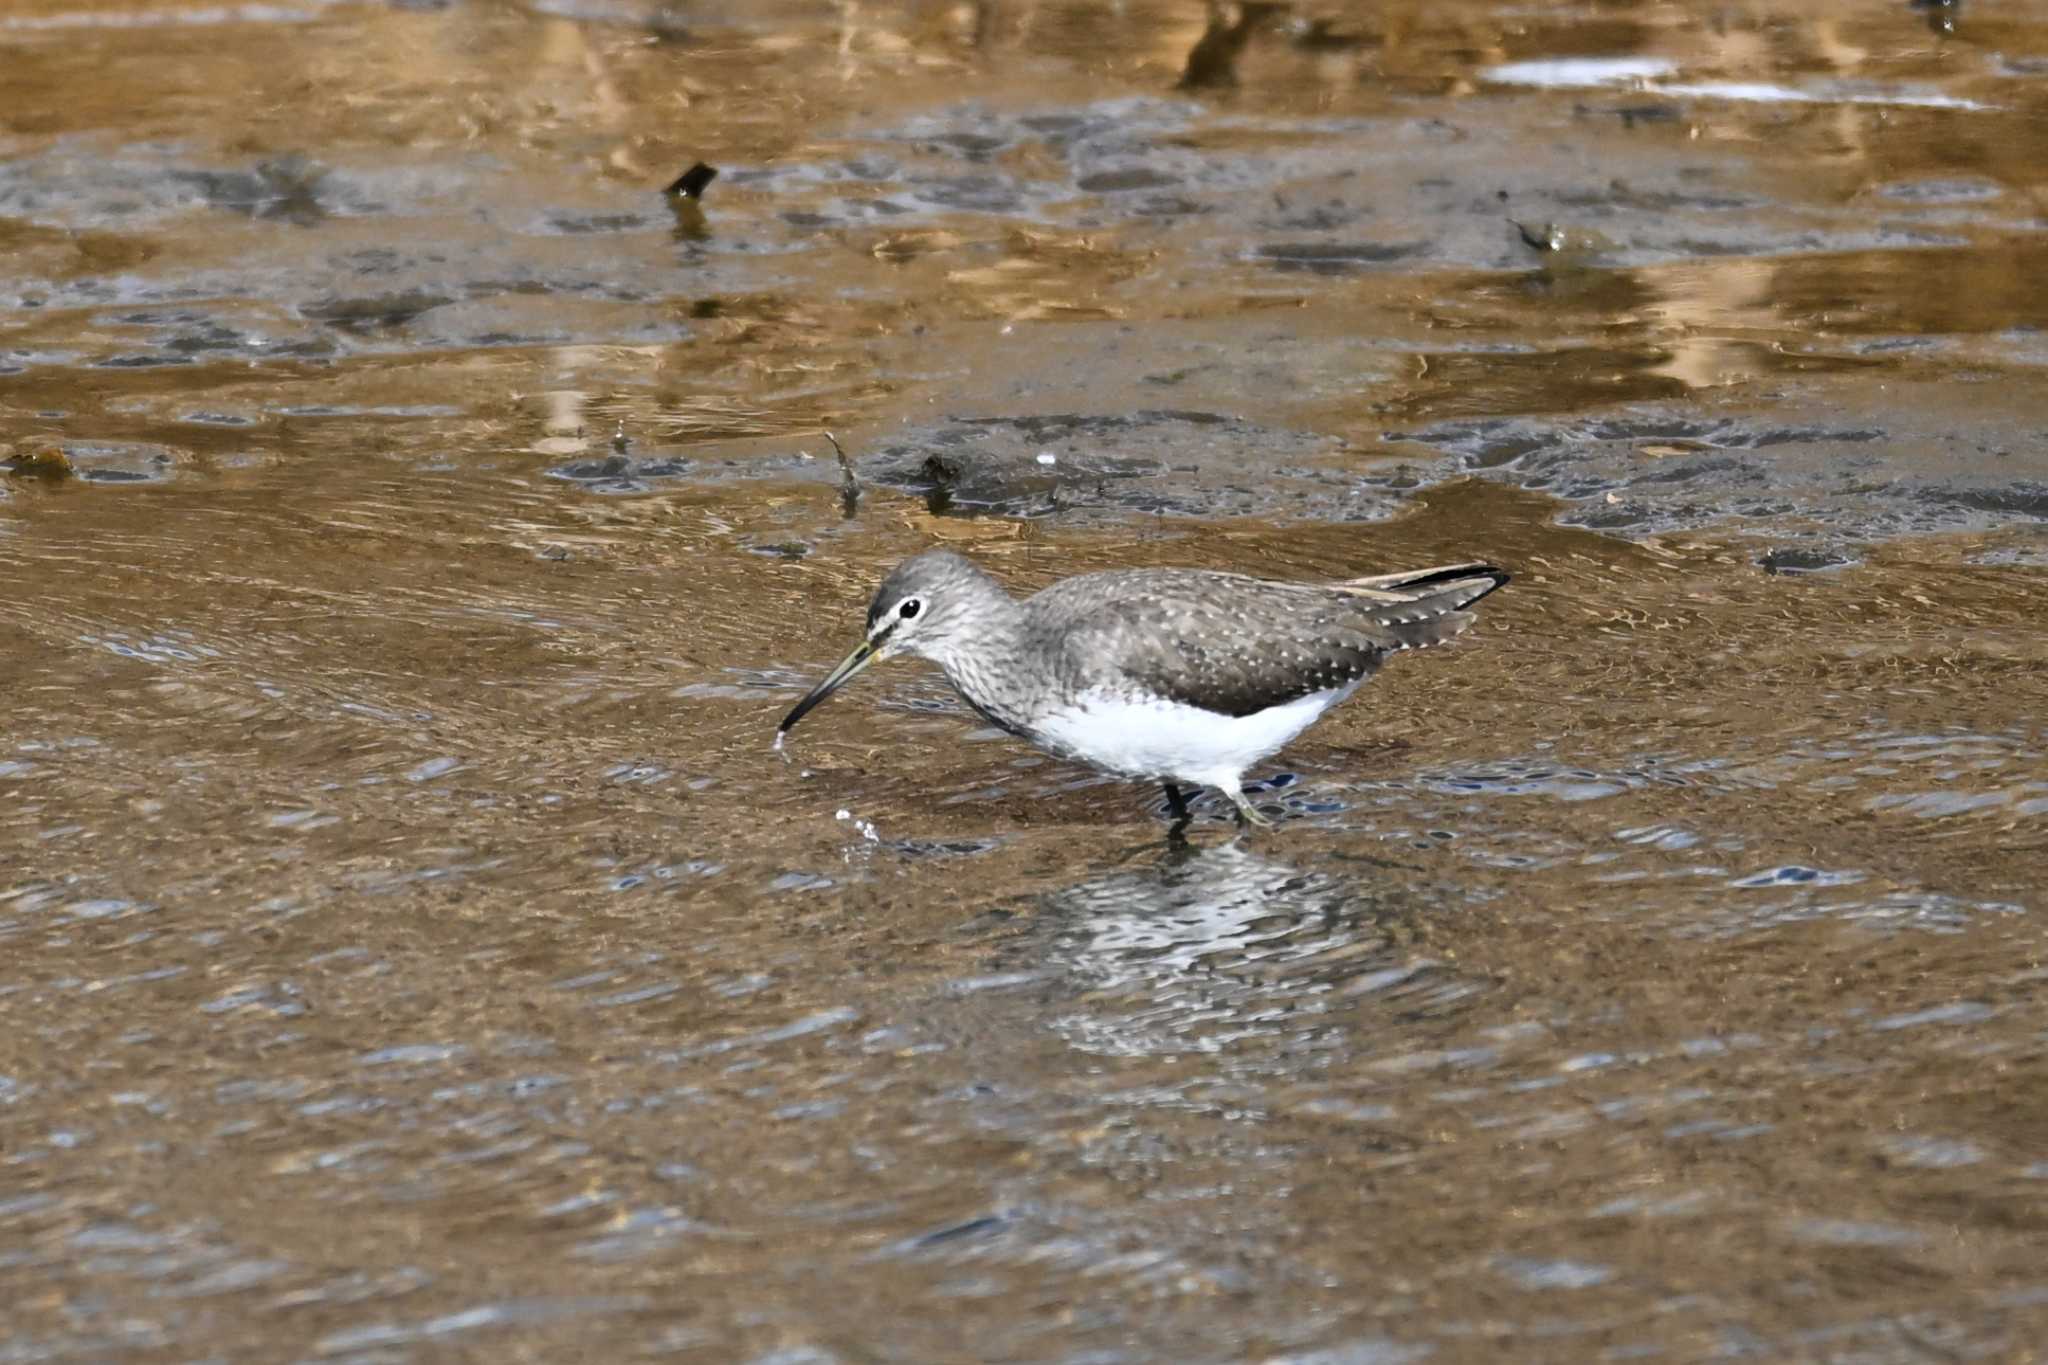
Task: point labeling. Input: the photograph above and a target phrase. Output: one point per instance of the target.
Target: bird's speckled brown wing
(1237, 645)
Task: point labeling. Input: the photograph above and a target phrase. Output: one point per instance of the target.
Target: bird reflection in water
(1204, 948)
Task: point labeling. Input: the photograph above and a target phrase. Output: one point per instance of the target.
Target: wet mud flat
(414, 525)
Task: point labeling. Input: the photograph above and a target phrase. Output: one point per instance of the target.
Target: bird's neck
(986, 665)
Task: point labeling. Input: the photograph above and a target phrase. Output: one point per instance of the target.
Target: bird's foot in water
(1177, 807)
(1247, 813)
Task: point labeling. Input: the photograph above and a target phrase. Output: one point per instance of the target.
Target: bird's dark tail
(1424, 607)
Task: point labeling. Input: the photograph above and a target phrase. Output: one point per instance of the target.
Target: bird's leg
(1177, 806)
(1247, 813)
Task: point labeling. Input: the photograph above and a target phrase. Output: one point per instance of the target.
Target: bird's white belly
(1167, 739)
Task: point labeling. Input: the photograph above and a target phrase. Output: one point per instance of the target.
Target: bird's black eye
(909, 609)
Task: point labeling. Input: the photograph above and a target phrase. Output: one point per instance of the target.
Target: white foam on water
(1758, 92)
(1566, 73)
(1649, 73)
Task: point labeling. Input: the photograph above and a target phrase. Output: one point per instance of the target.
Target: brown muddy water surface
(414, 526)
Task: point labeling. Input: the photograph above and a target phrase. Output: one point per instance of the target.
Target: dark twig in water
(1548, 237)
(1212, 62)
(849, 484)
(692, 183)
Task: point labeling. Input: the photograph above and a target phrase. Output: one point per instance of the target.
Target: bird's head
(929, 607)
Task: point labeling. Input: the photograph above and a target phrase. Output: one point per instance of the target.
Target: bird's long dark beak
(836, 679)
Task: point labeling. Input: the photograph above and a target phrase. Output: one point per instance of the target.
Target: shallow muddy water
(415, 524)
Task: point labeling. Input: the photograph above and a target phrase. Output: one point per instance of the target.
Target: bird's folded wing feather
(1240, 645)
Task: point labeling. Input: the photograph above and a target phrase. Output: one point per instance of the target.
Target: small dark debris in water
(1549, 237)
(1168, 461)
(1006, 483)
(973, 1227)
(1558, 239)
(620, 443)
(941, 476)
(1796, 561)
(784, 549)
(849, 484)
(558, 553)
(41, 462)
(692, 183)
